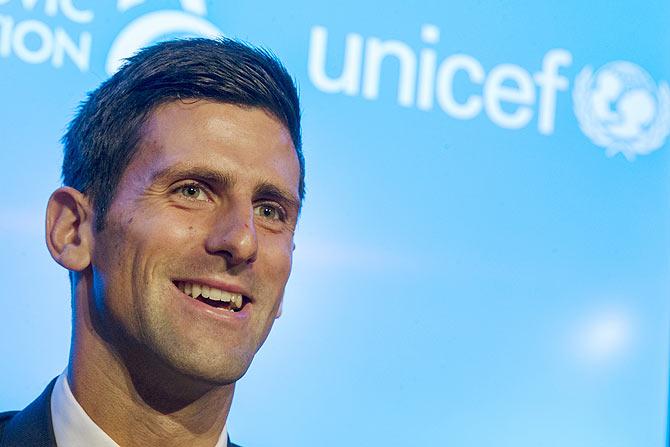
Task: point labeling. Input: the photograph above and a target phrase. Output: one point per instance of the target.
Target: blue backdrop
(484, 254)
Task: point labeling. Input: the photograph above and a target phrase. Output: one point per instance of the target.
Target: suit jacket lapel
(32, 426)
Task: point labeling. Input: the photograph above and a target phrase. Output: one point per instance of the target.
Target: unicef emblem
(151, 27)
(620, 108)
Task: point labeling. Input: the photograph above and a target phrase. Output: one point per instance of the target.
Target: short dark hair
(103, 137)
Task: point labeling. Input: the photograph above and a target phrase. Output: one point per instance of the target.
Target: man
(183, 179)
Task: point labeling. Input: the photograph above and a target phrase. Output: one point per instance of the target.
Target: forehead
(245, 142)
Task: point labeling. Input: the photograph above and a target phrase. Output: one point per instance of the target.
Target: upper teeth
(195, 290)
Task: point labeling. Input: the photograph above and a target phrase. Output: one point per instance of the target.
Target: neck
(136, 399)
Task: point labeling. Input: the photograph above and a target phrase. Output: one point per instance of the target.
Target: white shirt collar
(73, 427)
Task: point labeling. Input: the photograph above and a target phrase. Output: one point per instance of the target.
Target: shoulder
(5, 418)
(30, 427)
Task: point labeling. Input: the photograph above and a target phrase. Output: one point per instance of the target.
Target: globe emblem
(152, 27)
(620, 108)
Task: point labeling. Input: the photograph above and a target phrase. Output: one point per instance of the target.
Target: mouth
(212, 296)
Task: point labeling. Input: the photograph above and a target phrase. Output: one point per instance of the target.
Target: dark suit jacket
(32, 426)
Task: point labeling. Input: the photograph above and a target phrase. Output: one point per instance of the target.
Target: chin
(217, 370)
(224, 376)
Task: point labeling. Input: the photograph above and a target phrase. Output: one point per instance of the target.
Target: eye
(269, 212)
(192, 191)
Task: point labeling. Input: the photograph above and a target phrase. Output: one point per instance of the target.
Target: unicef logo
(151, 27)
(620, 108)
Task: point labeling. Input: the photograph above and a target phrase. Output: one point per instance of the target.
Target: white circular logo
(151, 27)
(620, 108)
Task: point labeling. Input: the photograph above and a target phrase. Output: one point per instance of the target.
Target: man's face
(210, 199)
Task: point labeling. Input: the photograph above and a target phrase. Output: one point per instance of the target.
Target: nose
(233, 235)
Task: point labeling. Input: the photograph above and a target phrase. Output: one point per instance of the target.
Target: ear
(69, 224)
(281, 303)
(279, 311)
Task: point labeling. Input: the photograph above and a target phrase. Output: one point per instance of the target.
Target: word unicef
(619, 107)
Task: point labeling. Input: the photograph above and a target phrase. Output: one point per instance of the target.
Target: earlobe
(69, 228)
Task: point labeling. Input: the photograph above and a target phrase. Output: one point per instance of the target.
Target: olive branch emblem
(651, 139)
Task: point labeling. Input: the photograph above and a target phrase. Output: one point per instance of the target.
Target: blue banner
(483, 257)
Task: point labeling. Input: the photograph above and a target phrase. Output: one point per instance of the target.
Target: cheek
(278, 258)
(132, 256)
(133, 246)
(163, 233)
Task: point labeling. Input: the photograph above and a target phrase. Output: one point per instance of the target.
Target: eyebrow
(265, 189)
(208, 175)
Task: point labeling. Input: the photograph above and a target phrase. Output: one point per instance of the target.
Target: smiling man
(183, 180)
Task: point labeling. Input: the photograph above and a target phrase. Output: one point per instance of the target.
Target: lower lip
(217, 313)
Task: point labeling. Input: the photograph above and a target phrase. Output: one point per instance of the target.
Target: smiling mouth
(222, 299)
